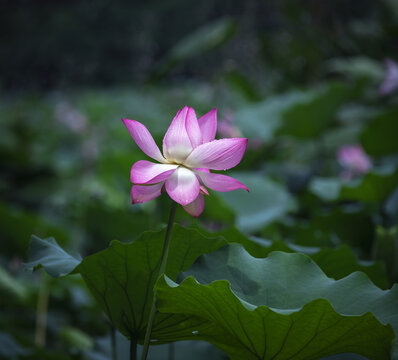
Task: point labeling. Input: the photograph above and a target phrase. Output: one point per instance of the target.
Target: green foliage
(196, 43)
(122, 277)
(263, 118)
(336, 263)
(386, 250)
(264, 311)
(341, 262)
(302, 114)
(203, 39)
(75, 338)
(10, 349)
(252, 214)
(312, 117)
(357, 67)
(12, 288)
(48, 254)
(374, 187)
(379, 134)
(17, 226)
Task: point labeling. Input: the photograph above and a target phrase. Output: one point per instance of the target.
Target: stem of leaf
(162, 269)
(113, 342)
(133, 349)
(41, 313)
(171, 351)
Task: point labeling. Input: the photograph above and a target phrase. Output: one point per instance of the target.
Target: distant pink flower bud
(354, 161)
(390, 82)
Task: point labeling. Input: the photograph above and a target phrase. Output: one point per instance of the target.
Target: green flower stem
(162, 269)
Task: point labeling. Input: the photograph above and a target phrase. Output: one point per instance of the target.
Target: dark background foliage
(52, 44)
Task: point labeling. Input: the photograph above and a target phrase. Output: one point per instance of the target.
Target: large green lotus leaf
(281, 307)
(96, 219)
(372, 188)
(334, 262)
(379, 136)
(122, 276)
(249, 332)
(266, 201)
(287, 274)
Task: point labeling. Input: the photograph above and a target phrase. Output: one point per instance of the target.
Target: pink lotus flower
(189, 152)
(354, 159)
